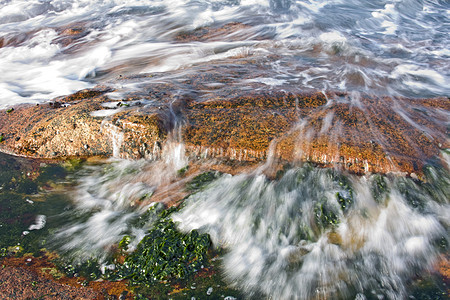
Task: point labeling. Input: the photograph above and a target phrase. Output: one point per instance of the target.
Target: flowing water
(50, 48)
(309, 233)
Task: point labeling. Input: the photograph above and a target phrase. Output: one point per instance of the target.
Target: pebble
(209, 291)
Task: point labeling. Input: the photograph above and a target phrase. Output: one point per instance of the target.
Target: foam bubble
(40, 222)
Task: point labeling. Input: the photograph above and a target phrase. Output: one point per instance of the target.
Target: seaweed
(379, 188)
(325, 215)
(165, 253)
(200, 181)
(345, 195)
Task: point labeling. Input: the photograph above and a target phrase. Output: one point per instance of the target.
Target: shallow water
(281, 245)
(55, 47)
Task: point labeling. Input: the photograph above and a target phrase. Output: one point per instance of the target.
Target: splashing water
(111, 201)
(314, 235)
(309, 234)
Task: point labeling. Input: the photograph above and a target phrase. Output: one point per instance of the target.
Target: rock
(379, 135)
(229, 32)
(20, 283)
(375, 135)
(360, 134)
(57, 130)
(38, 278)
(243, 128)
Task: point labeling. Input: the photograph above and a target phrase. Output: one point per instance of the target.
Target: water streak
(55, 47)
(279, 244)
(111, 201)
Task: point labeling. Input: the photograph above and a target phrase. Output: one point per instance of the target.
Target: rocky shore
(358, 133)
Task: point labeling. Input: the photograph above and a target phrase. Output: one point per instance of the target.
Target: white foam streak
(264, 225)
(40, 222)
(129, 37)
(111, 197)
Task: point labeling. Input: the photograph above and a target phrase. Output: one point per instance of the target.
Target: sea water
(395, 47)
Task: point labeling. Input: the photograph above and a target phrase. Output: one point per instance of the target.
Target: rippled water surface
(55, 47)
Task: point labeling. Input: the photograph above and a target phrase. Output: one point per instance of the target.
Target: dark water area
(32, 203)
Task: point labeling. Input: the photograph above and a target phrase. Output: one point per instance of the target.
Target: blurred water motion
(310, 234)
(51, 48)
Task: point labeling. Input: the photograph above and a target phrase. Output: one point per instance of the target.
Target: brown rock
(65, 128)
(20, 283)
(377, 135)
(243, 128)
(370, 135)
(361, 134)
(142, 133)
(31, 277)
(228, 32)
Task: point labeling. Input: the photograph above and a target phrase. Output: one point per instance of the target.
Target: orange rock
(359, 134)
(66, 128)
(444, 268)
(35, 277)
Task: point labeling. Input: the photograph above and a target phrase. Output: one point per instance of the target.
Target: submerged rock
(358, 133)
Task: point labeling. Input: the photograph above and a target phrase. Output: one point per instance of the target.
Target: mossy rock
(200, 181)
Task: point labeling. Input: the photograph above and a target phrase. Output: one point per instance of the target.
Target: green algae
(181, 172)
(89, 269)
(168, 263)
(202, 180)
(165, 253)
(379, 188)
(22, 200)
(325, 215)
(429, 287)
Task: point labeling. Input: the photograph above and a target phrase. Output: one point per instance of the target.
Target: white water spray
(279, 246)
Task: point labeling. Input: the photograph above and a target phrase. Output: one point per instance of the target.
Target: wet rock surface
(360, 133)
(36, 278)
(372, 135)
(66, 128)
(227, 32)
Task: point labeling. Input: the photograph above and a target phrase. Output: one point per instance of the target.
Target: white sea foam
(413, 70)
(111, 198)
(262, 225)
(40, 222)
(333, 37)
(268, 81)
(129, 37)
(105, 112)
